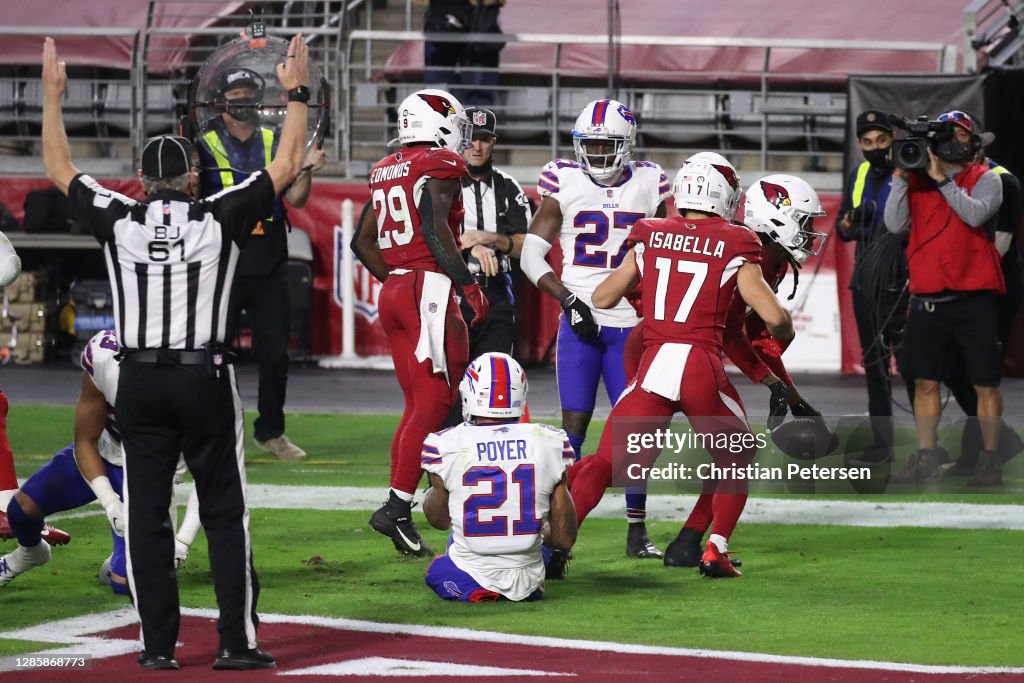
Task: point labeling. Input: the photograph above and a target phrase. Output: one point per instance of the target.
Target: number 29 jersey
(500, 478)
(596, 221)
(396, 183)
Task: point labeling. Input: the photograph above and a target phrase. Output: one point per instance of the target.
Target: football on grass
(804, 438)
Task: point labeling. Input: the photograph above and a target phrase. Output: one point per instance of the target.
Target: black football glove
(777, 404)
(581, 320)
(804, 409)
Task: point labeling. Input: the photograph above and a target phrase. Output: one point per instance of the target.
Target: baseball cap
(959, 118)
(873, 119)
(482, 119)
(166, 156)
(240, 78)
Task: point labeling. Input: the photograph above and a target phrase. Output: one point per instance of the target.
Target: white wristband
(533, 259)
(104, 491)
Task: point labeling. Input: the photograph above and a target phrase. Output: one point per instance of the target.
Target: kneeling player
(85, 471)
(689, 269)
(494, 482)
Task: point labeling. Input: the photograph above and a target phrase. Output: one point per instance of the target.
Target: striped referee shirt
(171, 259)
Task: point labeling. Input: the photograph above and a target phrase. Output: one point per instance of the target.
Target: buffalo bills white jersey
(500, 478)
(99, 359)
(596, 220)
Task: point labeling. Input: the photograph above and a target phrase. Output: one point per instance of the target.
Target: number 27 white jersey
(596, 220)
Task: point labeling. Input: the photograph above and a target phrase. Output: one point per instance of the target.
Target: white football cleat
(21, 560)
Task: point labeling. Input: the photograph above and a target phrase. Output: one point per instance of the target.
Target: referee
(171, 262)
(497, 214)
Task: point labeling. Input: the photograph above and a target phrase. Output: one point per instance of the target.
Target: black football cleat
(639, 545)
(558, 564)
(244, 659)
(158, 662)
(394, 520)
(686, 550)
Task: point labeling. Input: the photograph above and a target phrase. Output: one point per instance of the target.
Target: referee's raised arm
(294, 77)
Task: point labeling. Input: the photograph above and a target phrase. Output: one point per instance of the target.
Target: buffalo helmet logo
(439, 104)
(777, 195)
(479, 118)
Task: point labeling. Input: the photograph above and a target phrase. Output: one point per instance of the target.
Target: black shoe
(686, 550)
(242, 659)
(962, 467)
(558, 564)
(158, 662)
(394, 520)
(639, 545)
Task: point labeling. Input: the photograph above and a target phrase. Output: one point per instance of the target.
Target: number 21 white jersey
(499, 478)
(596, 220)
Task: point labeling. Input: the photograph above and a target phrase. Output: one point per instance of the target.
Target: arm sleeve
(241, 207)
(519, 215)
(977, 207)
(897, 207)
(737, 345)
(96, 206)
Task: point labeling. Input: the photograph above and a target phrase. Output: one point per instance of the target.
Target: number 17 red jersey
(688, 276)
(396, 183)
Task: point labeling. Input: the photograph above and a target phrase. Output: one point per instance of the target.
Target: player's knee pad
(27, 530)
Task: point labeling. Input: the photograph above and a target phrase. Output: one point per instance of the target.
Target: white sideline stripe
(389, 667)
(817, 511)
(71, 631)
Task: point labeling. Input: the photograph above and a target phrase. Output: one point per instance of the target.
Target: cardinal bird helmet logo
(439, 104)
(777, 195)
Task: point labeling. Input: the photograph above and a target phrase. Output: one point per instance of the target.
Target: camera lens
(910, 154)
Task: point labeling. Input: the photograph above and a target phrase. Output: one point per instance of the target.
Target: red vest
(945, 253)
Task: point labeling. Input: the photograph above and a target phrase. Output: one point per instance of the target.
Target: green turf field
(931, 596)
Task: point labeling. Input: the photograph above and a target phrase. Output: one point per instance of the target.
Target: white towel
(433, 307)
(665, 374)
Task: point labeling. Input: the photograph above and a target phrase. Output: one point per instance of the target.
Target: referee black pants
(164, 410)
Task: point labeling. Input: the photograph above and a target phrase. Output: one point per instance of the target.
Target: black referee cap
(166, 156)
(483, 121)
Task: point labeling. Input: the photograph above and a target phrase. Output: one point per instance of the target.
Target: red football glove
(769, 345)
(472, 295)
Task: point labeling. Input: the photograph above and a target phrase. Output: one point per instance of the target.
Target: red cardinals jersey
(396, 183)
(688, 276)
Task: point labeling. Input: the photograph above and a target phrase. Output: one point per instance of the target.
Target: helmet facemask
(602, 166)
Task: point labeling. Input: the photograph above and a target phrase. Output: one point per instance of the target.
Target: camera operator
(955, 281)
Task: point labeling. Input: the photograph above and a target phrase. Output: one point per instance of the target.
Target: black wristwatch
(299, 93)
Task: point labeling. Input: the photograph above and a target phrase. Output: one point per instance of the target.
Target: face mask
(878, 158)
(247, 113)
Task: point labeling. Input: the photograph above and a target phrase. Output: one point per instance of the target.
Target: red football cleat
(716, 564)
(55, 536)
(6, 533)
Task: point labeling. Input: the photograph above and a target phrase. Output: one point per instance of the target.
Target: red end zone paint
(357, 650)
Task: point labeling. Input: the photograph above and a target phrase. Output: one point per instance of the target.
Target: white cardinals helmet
(783, 207)
(703, 186)
(434, 116)
(608, 124)
(494, 386)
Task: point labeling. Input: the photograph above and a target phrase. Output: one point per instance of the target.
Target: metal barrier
(992, 31)
(764, 112)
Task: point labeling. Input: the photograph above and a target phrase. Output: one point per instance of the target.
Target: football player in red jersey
(410, 243)
(689, 268)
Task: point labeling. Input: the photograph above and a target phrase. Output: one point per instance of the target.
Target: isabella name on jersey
(493, 451)
(390, 172)
(691, 243)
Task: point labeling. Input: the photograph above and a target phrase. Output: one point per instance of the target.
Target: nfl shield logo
(432, 307)
(479, 118)
(610, 194)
